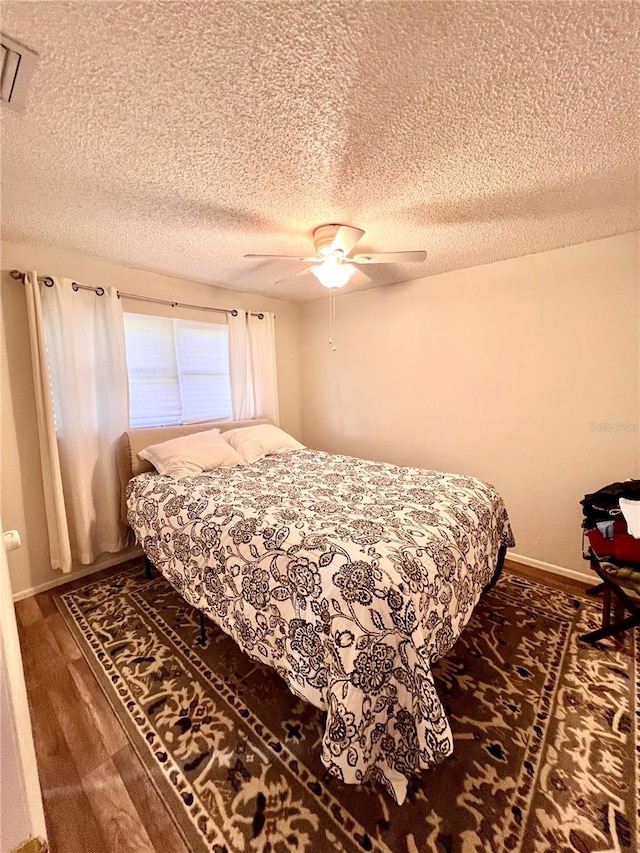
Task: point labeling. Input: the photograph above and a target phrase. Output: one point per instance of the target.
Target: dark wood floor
(97, 796)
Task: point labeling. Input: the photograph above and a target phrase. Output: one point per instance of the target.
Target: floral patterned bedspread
(349, 577)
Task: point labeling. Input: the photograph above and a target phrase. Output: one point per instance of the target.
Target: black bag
(604, 505)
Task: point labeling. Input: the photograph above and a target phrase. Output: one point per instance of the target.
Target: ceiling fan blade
(336, 238)
(313, 260)
(295, 275)
(361, 274)
(346, 238)
(389, 258)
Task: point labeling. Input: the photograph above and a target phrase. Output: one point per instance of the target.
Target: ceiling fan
(333, 266)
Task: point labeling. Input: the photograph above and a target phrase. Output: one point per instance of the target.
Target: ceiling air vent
(18, 65)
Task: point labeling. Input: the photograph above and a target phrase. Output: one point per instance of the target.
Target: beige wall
(22, 502)
(497, 371)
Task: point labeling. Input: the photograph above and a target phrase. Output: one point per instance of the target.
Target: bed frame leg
(148, 567)
(502, 553)
(203, 629)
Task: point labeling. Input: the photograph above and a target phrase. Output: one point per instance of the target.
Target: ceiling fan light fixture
(332, 272)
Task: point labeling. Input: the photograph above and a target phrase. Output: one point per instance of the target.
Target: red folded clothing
(623, 547)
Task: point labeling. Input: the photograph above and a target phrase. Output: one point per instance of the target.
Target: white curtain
(252, 366)
(79, 357)
(59, 545)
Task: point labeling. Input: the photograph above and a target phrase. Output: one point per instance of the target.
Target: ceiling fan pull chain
(332, 318)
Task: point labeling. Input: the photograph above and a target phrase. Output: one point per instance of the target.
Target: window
(178, 370)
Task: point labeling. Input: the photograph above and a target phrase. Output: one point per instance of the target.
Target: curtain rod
(99, 291)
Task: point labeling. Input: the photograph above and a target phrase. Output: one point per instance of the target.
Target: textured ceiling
(178, 136)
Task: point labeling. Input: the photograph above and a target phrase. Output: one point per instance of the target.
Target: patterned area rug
(545, 727)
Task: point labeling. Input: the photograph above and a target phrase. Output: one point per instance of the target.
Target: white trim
(549, 567)
(107, 563)
(130, 553)
(18, 751)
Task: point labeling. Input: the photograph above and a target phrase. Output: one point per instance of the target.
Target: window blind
(178, 370)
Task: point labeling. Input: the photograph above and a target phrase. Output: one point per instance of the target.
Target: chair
(616, 579)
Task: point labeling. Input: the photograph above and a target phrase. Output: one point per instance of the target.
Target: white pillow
(252, 443)
(190, 455)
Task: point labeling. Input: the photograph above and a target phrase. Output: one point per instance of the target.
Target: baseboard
(107, 563)
(130, 553)
(548, 567)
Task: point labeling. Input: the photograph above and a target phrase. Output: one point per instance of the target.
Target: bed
(349, 577)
